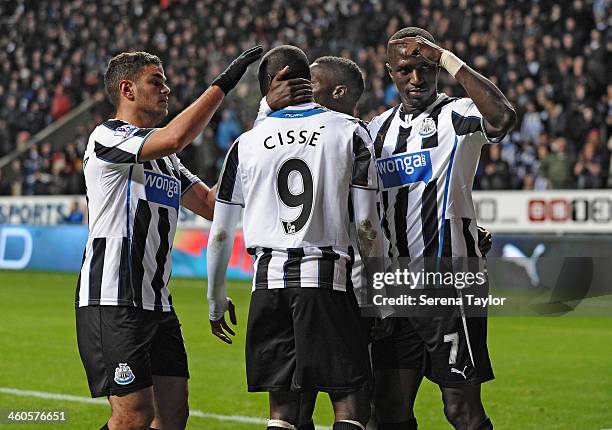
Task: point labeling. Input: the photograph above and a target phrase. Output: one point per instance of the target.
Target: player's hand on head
(220, 328)
(485, 240)
(284, 92)
(419, 46)
(229, 78)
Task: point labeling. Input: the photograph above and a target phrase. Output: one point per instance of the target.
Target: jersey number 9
(303, 199)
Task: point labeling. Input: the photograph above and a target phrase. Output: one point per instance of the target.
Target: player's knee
(136, 419)
(177, 418)
(286, 415)
(285, 407)
(391, 408)
(454, 413)
(352, 407)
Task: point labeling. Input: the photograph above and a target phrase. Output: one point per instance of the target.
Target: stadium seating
(549, 60)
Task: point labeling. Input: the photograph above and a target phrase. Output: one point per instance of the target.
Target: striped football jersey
(133, 210)
(426, 165)
(293, 173)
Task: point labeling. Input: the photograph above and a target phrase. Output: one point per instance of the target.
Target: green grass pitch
(552, 373)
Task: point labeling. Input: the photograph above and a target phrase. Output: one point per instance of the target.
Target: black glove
(230, 76)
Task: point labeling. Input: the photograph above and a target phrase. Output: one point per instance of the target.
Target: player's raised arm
(218, 253)
(190, 122)
(499, 115)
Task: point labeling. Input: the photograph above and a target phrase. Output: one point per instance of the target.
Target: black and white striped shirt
(133, 210)
(292, 174)
(426, 166)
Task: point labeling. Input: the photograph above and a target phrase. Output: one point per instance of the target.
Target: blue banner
(60, 249)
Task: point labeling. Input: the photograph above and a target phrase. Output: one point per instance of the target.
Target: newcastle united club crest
(123, 374)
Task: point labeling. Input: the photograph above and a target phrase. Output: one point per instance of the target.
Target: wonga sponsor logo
(404, 169)
(162, 189)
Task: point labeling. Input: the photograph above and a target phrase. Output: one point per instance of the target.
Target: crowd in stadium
(548, 57)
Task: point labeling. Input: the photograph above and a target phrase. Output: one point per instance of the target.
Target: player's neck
(415, 110)
(303, 102)
(138, 118)
(347, 110)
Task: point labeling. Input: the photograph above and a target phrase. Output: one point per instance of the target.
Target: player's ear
(126, 89)
(339, 92)
(388, 67)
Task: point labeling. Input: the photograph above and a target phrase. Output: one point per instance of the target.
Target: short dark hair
(344, 72)
(126, 65)
(276, 59)
(412, 32)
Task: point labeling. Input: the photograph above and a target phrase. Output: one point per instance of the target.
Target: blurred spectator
(228, 130)
(526, 163)
(60, 104)
(497, 171)
(76, 214)
(589, 168)
(11, 182)
(556, 166)
(6, 145)
(531, 126)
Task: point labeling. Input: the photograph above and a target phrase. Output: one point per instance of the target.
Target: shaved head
(276, 60)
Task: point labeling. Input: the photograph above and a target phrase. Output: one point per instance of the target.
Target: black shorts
(123, 347)
(450, 350)
(306, 339)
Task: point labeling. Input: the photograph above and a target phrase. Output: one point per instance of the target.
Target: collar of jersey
(299, 111)
(427, 110)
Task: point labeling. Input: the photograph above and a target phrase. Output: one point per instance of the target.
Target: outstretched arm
(499, 115)
(200, 200)
(220, 243)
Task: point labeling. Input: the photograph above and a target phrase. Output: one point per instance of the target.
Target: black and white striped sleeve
(187, 178)
(467, 120)
(118, 143)
(363, 163)
(230, 186)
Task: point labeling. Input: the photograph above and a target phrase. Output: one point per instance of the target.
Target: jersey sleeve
(467, 120)
(187, 178)
(230, 185)
(363, 162)
(118, 143)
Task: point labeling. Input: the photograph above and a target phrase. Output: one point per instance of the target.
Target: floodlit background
(543, 192)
